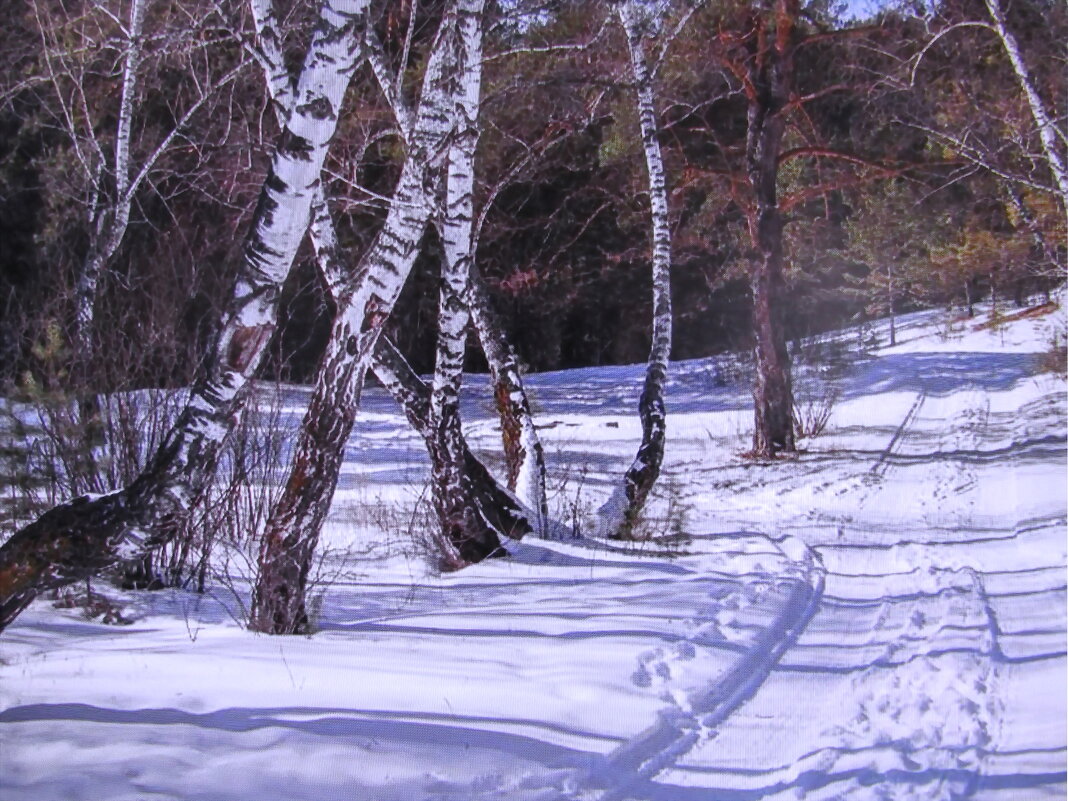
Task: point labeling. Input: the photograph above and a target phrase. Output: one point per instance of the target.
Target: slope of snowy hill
(883, 617)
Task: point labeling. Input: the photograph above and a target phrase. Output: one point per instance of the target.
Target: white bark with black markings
(524, 455)
(461, 534)
(619, 513)
(110, 216)
(488, 504)
(296, 520)
(1047, 132)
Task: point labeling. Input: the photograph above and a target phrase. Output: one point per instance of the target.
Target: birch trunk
(463, 537)
(500, 510)
(492, 508)
(773, 430)
(620, 513)
(523, 452)
(79, 538)
(1054, 259)
(110, 217)
(524, 456)
(292, 531)
(1046, 131)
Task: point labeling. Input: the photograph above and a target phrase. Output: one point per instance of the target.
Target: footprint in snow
(933, 700)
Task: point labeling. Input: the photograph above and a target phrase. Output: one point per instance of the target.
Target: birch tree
(619, 514)
(450, 496)
(87, 534)
(103, 151)
(296, 520)
(480, 501)
(1052, 139)
(524, 455)
(88, 56)
(109, 220)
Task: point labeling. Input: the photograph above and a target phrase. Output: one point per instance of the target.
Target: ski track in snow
(897, 633)
(692, 719)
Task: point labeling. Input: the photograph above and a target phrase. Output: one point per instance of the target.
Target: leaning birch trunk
(620, 512)
(292, 531)
(498, 507)
(86, 535)
(1046, 131)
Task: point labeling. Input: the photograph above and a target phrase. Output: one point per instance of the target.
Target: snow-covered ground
(880, 618)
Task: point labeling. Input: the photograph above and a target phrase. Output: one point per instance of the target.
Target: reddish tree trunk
(769, 74)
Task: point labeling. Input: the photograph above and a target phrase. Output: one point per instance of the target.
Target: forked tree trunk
(292, 531)
(498, 508)
(491, 508)
(621, 511)
(114, 186)
(86, 535)
(109, 217)
(523, 453)
(769, 74)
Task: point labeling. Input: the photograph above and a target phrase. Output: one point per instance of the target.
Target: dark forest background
(910, 176)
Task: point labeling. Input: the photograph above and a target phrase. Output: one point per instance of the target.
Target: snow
(883, 617)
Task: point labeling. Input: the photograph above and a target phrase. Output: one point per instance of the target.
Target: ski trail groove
(691, 719)
(882, 464)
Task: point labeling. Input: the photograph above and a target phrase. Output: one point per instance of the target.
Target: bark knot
(318, 109)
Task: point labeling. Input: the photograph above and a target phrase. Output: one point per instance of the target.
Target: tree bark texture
(499, 508)
(295, 522)
(523, 452)
(769, 76)
(79, 538)
(621, 512)
(524, 456)
(463, 536)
